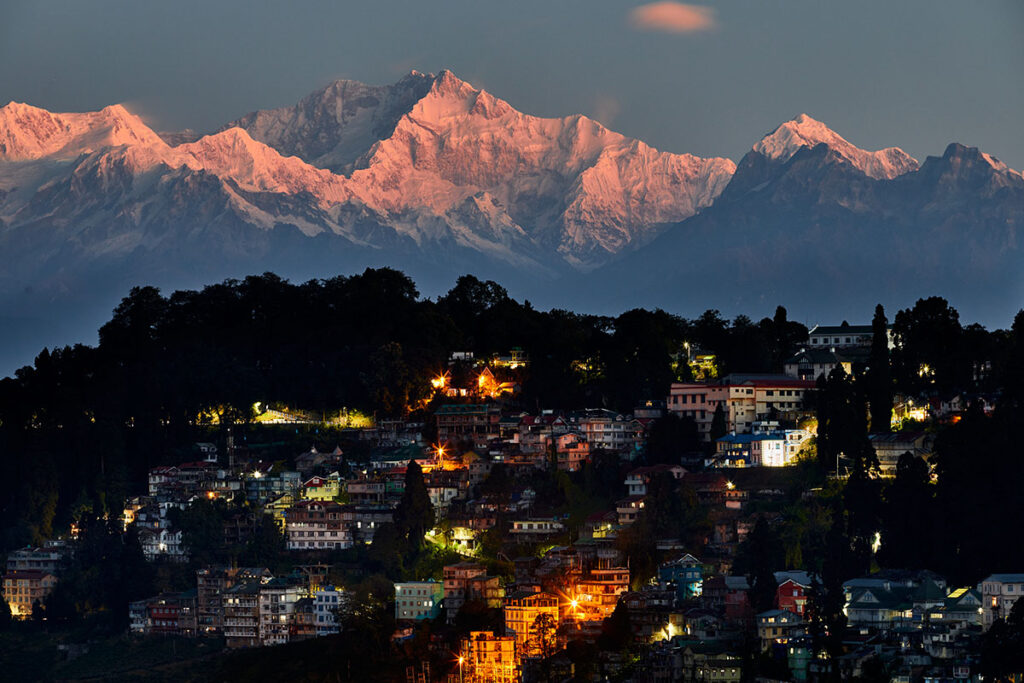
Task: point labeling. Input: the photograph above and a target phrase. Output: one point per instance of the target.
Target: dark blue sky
(912, 73)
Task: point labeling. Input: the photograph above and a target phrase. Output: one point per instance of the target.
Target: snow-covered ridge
(427, 160)
(804, 131)
(28, 132)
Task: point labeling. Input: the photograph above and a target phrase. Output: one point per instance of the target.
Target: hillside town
(691, 539)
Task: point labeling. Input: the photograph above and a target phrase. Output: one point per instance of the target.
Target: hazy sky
(709, 79)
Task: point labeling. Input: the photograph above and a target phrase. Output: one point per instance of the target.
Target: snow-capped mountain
(428, 143)
(438, 178)
(826, 229)
(802, 132)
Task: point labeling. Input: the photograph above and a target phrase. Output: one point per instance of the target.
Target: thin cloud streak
(672, 17)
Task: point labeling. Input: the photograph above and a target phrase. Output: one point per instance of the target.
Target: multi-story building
(791, 595)
(25, 587)
(889, 447)
(50, 558)
(999, 592)
(303, 621)
(536, 528)
(366, 490)
(242, 614)
(745, 399)
(165, 614)
(485, 657)
(328, 601)
(362, 521)
(844, 336)
(572, 451)
(778, 626)
(811, 364)
(211, 583)
(322, 488)
(521, 612)
(416, 600)
(162, 544)
(598, 593)
(277, 600)
(477, 423)
(610, 431)
(777, 448)
(637, 480)
(685, 574)
(456, 582)
(486, 589)
(316, 525)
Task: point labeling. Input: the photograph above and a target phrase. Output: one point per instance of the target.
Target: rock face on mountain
(332, 127)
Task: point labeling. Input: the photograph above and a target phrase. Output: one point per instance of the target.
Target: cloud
(606, 109)
(672, 17)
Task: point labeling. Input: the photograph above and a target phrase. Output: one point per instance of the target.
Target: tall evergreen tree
(907, 517)
(414, 514)
(762, 557)
(879, 376)
(719, 426)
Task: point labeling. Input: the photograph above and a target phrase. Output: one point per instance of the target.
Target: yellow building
(23, 588)
(322, 488)
(521, 611)
(487, 658)
(278, 507)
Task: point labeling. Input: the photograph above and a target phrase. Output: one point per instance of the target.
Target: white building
(162, 544)
(999, 592)
(327, 602)
(745, 399)
(277, 605)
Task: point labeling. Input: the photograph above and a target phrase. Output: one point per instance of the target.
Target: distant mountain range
(437, 178)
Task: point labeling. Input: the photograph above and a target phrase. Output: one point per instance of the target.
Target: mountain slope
(571, 184)
(819, 233)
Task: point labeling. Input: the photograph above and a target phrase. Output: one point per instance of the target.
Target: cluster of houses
(248, 606)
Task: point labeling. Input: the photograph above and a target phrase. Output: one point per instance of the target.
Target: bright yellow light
(211, 495)
(574, 603)
(461, 660)
(729, 485)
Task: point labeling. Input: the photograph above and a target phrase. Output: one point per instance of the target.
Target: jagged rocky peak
(28, 132)
(334, 126)
(803, 131)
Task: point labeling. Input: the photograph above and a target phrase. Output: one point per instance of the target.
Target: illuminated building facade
(521, 612)
(25, 587)
(416, 600)
(487, 658)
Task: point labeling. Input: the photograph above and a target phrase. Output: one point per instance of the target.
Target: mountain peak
(447, 83)
(28, 132)
(803, 131)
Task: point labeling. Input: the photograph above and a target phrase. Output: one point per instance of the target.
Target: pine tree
(879, 376)
(719, 426)
(414, 514)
